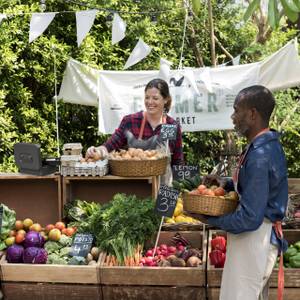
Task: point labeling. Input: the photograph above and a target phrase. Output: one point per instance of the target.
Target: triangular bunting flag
(39, 23)
(84, 22)
(164, 69)
(140, 51)
(118, 29)
(236, 60)
(2, 16)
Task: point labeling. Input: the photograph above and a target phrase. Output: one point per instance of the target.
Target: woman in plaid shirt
(144, 127)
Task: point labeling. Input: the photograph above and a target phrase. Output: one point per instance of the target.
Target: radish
(149, 253)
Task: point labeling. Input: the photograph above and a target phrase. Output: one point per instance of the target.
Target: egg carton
(70, 160)
(72, 149)
(98, 168)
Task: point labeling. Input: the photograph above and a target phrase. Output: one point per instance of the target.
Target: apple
(27, 223)
(21, 231)
(36, 227)
(12, 233)
(19, 238)
(70, 231)
(54, 234)
(49, 227)
(19, 225)
(60, 225)
(10, 241)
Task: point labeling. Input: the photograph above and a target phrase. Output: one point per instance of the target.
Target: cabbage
(33, 239)
(35, 255)
(14, 253)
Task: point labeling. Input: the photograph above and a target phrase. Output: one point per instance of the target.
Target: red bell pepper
(217, 258)
(218, 243)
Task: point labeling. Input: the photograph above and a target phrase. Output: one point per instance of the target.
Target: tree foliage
(27, 78)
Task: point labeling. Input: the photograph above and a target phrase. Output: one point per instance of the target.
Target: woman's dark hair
(258, 97)
(163, 88)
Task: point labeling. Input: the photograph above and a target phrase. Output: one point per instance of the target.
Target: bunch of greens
(123, 224)
(8, 223)
(78, 213)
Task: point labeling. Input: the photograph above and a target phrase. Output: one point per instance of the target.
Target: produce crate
(157, 282)
(102, 189)
(35, 197)
(34, 281)
(292, 276)
(294, 185)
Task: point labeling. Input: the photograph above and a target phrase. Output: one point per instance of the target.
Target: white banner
(202, 98)
(194, 106)
(84, 21)
(39, 23)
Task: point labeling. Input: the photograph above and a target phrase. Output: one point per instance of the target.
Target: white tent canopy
(202, 97)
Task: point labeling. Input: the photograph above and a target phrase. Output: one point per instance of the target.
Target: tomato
(60, 225)
(201, 187)
(219, 191)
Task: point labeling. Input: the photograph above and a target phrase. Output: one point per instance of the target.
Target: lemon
(169, 220)
(180, 219)
(178, 209)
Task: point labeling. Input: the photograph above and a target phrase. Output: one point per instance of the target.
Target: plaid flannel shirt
(133, 123)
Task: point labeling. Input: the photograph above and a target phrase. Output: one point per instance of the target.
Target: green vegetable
(291, 251)
(295, 261)
(77, 260)
(78, 212)
(56, 259)
(52, 246)
(297, 245)
(120, 225)
(8, 223)
(65, 241)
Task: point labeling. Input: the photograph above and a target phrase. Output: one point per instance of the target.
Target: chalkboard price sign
(181, 172)
(168, 132)
(82, 244)
(166, 201)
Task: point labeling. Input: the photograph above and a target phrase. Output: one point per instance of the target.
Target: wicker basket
(208, 205)
(138, 168)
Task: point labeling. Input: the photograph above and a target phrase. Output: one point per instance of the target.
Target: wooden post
(211, 30)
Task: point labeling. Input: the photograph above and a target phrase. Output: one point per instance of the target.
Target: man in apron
(261, 181)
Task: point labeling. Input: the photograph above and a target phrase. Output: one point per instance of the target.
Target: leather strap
(278, 229)
(164, 121)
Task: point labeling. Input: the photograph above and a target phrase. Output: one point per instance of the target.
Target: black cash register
(29, 161)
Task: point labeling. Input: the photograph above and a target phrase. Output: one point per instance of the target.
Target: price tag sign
(82, 244)
(166, 201)
(181, 172)
(168, 132)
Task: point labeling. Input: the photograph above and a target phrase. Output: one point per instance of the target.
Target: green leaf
(251, 9)
(290, 13)
(297, 3)
(196, 6)
(273, 15)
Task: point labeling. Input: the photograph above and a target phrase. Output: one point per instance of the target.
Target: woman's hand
(96, 153)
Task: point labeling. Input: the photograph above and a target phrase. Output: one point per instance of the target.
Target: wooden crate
(53, 282)
(102, 189)
(115, 292)
(157, 282)
(294, 185)
(292, 276)
(11, 272)
(50, 291)
(289, 293)
(159, 276)
(35, 197)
